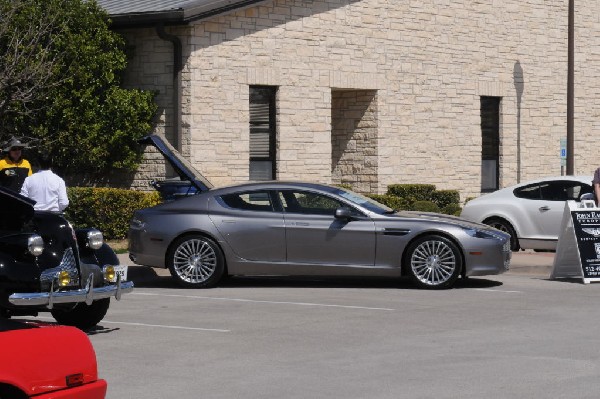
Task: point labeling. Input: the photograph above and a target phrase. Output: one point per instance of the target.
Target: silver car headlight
(95, 239)
(489, 234)
(35, 245)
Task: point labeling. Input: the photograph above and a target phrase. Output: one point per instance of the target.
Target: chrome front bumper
(88, 294)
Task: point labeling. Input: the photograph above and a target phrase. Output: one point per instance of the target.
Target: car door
(315, 236)
(554, 196)
(544, 203)
(251, 225)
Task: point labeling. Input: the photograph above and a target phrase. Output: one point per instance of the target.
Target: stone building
(463, 94)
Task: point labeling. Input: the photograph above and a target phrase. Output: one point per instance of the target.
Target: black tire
(506, 227)
(196, 261)
(81, 315)
(433, 262)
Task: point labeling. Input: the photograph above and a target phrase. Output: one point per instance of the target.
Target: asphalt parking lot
(515, 335)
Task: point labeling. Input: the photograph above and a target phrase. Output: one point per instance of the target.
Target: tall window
(490, 143)
(262, 132)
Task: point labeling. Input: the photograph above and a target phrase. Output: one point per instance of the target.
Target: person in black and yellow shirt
(14, 168)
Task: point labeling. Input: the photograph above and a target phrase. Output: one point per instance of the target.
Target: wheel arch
(511, 225)
(405, 264)
(198, 233)
(11, 391)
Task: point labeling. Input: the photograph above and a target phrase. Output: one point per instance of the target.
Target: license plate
(121, 270)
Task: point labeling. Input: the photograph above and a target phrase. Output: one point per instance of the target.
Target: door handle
(301, 224)
(544, 208)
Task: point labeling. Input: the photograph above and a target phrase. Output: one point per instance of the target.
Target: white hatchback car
(530, 212)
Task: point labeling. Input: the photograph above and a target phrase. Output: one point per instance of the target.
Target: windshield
(363, 201)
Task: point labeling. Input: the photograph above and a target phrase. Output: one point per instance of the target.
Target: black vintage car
(47, 265)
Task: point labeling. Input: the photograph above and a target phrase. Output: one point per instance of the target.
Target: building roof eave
(191, 12)
(147, 19)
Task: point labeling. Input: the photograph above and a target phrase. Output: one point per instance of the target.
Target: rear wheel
(81, 315)
(196, 261)
(433, 262)
(507, 228)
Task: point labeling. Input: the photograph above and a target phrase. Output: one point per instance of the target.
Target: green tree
(75, 106)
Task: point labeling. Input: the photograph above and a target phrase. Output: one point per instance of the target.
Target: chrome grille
(67, 263)
(507, 254)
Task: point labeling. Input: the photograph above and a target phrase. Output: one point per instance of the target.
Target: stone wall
(354, 139)
(429, 63)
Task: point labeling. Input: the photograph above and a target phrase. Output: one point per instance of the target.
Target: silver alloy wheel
(433, 262)
(194, 261)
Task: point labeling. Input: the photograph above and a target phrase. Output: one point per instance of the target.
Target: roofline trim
(180, 16)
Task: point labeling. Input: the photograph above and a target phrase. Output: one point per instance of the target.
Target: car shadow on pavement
(147, 277)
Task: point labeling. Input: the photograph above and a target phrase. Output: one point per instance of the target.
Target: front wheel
(196, 261)
(433, 262)
(81, 315)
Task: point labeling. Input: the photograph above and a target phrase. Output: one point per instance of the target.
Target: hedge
(107, 209)
(421, 197)
(412, 192)
(425, 206)
(392, 201)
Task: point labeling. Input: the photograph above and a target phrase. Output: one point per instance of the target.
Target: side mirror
(343, 213)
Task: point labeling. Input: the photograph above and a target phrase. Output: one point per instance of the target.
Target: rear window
(559, 190)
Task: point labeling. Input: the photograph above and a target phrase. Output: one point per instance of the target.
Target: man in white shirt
(46, 188)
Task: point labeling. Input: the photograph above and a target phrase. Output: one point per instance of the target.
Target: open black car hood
(14, 208)
(182, 167)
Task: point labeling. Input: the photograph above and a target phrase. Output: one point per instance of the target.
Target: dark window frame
(271, 93)
(490, 138)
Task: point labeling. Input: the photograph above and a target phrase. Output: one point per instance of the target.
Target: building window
(262, 132)
(490, 143)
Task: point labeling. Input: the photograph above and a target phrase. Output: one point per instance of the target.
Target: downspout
(177, 68)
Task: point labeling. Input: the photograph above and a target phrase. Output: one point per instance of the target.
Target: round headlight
(63, 278)
(109, 273)
(95, 239)
(35, 245)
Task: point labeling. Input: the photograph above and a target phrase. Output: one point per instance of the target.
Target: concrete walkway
(532, 263)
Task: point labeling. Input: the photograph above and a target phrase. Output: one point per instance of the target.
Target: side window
(531, 192)
(306, 202)
(249, 201)
(563, 190)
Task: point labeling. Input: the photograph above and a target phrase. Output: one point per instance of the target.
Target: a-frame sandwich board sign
(578, 247)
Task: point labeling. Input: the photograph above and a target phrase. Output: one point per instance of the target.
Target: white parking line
(151, 325)
(164, 326)
(490, 290)
(270, 302)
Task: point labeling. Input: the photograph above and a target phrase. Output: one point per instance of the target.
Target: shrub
(412, 192)
(425, 206)
(107, 209)
(452, 209)
(392, 201)
(443, 198)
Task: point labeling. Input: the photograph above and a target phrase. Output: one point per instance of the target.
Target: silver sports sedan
(292, 229)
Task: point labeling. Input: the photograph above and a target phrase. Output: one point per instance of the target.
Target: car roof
(15, 206)
(274, 185)
(579, 178)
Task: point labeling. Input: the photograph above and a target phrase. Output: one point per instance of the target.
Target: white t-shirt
(47, 190)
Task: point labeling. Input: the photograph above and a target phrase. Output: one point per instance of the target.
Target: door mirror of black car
(344, 213)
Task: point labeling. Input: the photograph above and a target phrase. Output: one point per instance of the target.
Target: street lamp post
(570, 89)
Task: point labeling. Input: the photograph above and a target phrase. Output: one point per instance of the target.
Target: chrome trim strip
(394, 232)
(82, 295)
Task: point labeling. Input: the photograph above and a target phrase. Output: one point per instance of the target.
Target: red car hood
(38, 359)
